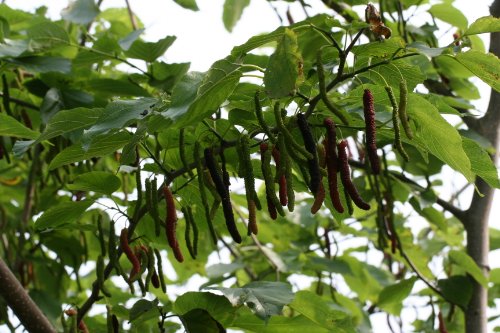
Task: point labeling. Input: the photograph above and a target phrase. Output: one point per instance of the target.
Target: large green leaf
(47, 34)
(483, 25)
(11, 127)
(96, 181)
(276, 324)
(463, 260)
(197, 96)
(232, 12)
(391, 297)
(43, 64)
(80, 11)
(263, 297)
(438, 136)
(198, 320)
(143, 310)
(61, 214)
(66, 121)
(284, 67)
(484, 66)
(317, 310)
(380, 49)
(101, 146)
(116, 88)
(119, 114)
(148, 51)
(449, 14)
(188, 4)
(218, 306)
(481, 163)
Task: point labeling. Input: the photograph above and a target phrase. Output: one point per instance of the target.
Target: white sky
(202, 39)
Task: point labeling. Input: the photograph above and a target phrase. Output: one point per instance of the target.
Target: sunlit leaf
(96, 181)
(483, 25)
(9, 126)
(232, 12)
(61, 214)
(463, 260)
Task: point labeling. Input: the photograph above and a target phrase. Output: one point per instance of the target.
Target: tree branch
(28, 313)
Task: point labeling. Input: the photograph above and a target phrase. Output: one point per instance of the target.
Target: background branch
(28, 313)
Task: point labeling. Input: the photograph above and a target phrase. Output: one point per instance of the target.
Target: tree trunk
(476, 221)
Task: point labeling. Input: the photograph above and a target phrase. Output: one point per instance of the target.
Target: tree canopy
(303, 188)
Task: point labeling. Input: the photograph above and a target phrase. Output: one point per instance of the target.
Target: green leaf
(263, 297)
(483, 25)
(14, 48)
(484, 66)
(283, 70)
(48, 35)
(101, 146)
(66, 121)
(481, 163)
(218, 306)
(438, 136)
(198, 320)
(112, 87)
(127, 41)
(61, 214)
(449, 14)
(494, 239)
(9, 126)
(391, 297)
(380, 49)
(218, 270)
(232, 12)
(457, 289)
(143, 310)
(318, 311)
(80, 11)
(96, 181)
(196, 96)
(277, 324)
(119, 114)
(463, 260)
(150, 51)
(166, 76)
(188, 4)
(43, 64)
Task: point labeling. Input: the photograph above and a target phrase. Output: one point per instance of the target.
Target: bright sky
(202, 39)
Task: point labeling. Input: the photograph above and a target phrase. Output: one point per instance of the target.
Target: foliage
(85, 131)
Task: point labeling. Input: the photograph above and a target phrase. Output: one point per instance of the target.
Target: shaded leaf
(457, 289)
(463, 260)
(61, 214)
(143, 310)
(381, 49)
(284, 67)
(232, 12)
(218, 270)
(80, 11)
(199, 320)
(483, 25)
(9, 126)
(96, 181)
(494, 239)
(218, 306)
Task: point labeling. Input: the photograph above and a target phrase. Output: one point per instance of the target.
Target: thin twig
(131, 15)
